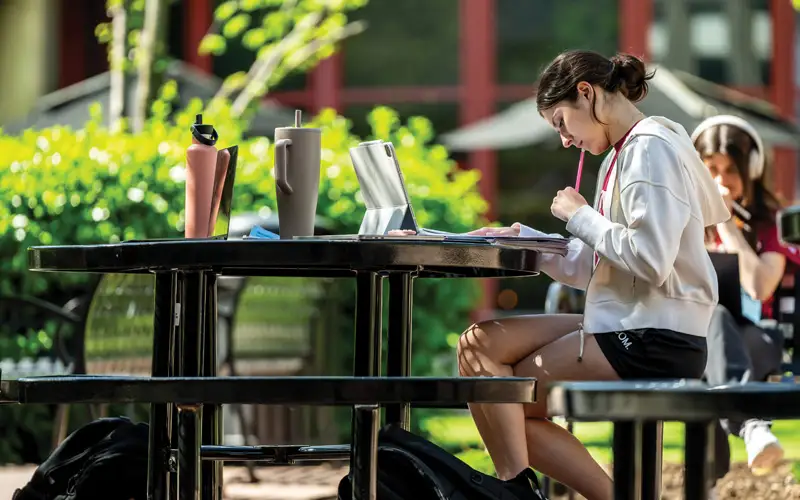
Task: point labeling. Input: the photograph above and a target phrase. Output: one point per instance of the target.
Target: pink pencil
(580, 171)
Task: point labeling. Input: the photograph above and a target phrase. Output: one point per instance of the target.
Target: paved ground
(11, 478)
(317, 482)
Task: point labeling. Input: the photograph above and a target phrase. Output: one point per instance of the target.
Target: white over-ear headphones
(757, 159)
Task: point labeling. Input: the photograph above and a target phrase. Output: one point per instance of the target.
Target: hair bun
(630, 76)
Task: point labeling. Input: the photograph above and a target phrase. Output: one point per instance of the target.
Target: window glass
(711, 34)
(531, 32)
(407, 42)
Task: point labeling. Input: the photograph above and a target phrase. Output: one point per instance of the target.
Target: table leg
(366, 362)
(652, 447)
(369, 304)
(626, 450)
(191, 360)
(366, 452)
(697, 468)
(176, 369)
(211, 471)
(398, 362)
(188, 451)
(160, 414)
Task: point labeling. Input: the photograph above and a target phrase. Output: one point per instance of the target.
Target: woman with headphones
(738, 350)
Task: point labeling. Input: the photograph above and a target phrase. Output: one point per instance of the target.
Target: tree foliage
(285, 36)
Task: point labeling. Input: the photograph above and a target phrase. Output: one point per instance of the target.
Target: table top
(250, 257)
(682, 401)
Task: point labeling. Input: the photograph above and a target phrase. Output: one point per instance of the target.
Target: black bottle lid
(205, 134)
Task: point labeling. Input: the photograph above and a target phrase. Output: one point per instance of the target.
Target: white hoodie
(654, 270)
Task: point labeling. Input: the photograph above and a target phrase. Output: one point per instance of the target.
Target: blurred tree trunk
(152, 46)
(118, 55)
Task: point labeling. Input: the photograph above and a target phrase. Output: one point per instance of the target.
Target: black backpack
(103, 460)
(413, 468)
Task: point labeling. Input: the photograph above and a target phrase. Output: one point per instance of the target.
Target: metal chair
(25, 317)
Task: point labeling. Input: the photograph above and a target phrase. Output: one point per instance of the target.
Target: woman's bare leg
(492, 348)
(552, 450)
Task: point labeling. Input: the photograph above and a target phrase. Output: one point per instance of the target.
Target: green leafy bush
(94, 185)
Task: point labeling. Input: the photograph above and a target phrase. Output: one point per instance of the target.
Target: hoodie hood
(713, 208)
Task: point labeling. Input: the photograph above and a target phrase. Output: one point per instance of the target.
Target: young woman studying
(639, 252)
(740, 351)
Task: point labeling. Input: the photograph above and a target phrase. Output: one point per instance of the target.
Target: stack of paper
(542, 243)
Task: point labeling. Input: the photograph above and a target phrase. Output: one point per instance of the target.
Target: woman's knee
(472, 345)
(506, 341)
(482, 342)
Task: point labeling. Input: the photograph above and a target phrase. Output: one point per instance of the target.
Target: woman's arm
(654, 202)
(574, 269)
(760, 275)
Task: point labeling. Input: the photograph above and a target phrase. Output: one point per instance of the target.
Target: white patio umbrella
(678, 96)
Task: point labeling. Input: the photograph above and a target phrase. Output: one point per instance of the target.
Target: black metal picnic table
(633, 405)
(184, 365)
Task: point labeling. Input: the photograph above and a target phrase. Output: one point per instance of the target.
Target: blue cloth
(263, 234)
(751, 308)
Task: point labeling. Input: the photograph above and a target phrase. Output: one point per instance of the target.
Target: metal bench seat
(683, 401)
(321, 391)
(636, 406)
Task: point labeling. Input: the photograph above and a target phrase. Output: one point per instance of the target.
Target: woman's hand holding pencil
(566, 203)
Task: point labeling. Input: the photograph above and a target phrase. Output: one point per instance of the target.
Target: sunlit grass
(457, 433)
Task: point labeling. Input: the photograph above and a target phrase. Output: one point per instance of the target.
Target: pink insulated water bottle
(201, 166)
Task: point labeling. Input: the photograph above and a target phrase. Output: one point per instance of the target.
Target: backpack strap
(27, 492)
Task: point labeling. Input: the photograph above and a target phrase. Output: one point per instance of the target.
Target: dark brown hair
(622, 73)
(757, 198)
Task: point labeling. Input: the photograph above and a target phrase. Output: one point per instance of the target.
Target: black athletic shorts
(654, 353)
